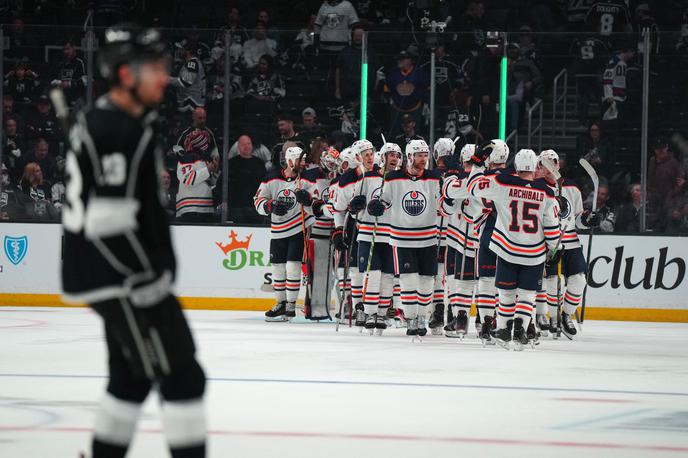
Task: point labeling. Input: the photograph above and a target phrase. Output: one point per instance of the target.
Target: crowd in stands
(295, 78)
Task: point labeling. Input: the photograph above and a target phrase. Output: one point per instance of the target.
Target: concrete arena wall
(634, 278)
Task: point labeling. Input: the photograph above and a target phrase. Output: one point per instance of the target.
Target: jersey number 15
(528, 218)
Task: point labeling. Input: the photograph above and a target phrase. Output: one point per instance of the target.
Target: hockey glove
(304, 198)
(338, 239)
(481, 154)
(554, 256)
(590, 219)
(357, 204)
(376, 208)
(317, 208)
(276, 207)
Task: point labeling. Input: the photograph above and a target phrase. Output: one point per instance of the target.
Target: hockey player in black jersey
(118, 255)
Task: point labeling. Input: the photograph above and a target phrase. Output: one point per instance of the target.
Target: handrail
(559, 98)
(537, 129)
(514, 134)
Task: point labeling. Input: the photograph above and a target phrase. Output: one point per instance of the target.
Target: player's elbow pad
(110, 217)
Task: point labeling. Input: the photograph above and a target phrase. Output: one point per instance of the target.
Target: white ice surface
(301, 390)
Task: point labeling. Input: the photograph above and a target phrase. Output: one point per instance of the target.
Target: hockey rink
(301, 390)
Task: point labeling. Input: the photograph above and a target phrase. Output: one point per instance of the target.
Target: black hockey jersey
(116, 234)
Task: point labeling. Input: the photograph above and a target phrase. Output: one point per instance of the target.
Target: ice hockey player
(412, 196)
(525, 234)
(462, 241)
(278, 196)
(574, 267)
(483, 219)
(443, 151)
(118, 254)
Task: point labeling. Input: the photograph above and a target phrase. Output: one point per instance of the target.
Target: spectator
(42, 123)
(258, 46)
(265, 89)
(608, 17)
(13, 148)
(9, 111)
(310, 127)
(527, 48)
(70, 74)
(515, 97)
(525, 70)
(677, 219)
(217, 91)
(607, 216)
(168, 192)
(36, 194)
(596, 148)
(195, 173)
(347, 77)
(45, 161)
(190, 82)
(664, 179)
(614, 85)
(332, 24)
(271, 32)
(590, 60)
(448, 75)
(58, 195)
(576, 11)
(407, 88)
(245, 173)
(628, 219)
(237, 32)
(463, 120)
(285, 128)
(303, 52)
(259, 151)
(408, 126)
(484, 76)
(317, 147)
(469, 29)
(11, 205)
(207, 146)
(22, 84)
(20, 46)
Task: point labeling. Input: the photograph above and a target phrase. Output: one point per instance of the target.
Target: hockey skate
(290, 312)
(503, 336)
(554, 328)
(542, 324)
(485, 334)
(380, 325)
(359, 316)
(437, 320)
(533, 334)
(370, 322)
(460, 325)
(399, 318)
(568, 327)
(421, 330)
(478, 323)
(520, 337)
(413, 330)
(277, 313)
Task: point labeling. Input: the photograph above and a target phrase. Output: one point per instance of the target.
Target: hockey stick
(306, 243)
(596, 187)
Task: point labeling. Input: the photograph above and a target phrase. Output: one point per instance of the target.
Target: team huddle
(418, 247)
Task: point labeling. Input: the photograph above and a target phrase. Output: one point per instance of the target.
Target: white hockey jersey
(614, 79)
(570, 211)
(349, 186)
(413, 203)
(192, 83)
(527, 218)
(372, 189)
(195, 194)
(317, 182)
(461, 230)
(276, 186)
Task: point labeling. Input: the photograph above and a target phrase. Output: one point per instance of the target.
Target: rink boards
(633, 278)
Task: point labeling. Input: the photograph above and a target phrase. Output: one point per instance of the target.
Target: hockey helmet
(360, 146)
(330, 159)
(348, 157)
(551, 155)
(413, 147)
(293, 154)
(467, 152)
(443, 147)
(128, 43)
(500, 151)
(526, 161)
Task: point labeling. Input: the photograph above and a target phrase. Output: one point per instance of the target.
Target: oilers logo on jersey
(564, 207)
(288, 197)
(414, 203)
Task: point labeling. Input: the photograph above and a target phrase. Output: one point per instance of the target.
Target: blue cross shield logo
(15, 248)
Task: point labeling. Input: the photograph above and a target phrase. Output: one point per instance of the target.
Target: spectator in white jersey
(258, 46)
(190, 80)
(332, 24)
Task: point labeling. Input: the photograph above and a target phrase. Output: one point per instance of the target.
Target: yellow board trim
(262, 304)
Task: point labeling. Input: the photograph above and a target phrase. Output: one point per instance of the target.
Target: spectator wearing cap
(310, 128)
(285, 128)
(245, 173)
(40, 155)
(664, 178)
(332, 24)
(265, 89)
(258, 46)
(469, 29)
(408, 127)
(70, 74)
(200, 134)
(14, 147)
(407, 89)
(42, 123)
(22, 84)
(348, 68)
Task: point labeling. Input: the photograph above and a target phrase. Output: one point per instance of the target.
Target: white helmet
(330, 159)
(415, 146)
(380, 159)
(389, 148)
(293, 153)
(500, 151)
(443, 147)
(467, 152)
(526, 161)
(551, 155)
(348, 157)
(360, 146)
